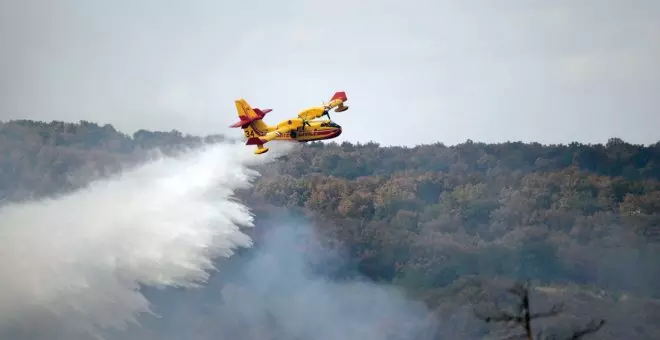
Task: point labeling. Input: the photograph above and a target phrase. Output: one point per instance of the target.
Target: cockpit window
(330, 124)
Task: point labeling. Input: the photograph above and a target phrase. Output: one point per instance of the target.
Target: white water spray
(79, 259)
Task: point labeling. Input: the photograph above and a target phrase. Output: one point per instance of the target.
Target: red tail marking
(254, 141)
(245, 120)
(339, 95)
(263, 112)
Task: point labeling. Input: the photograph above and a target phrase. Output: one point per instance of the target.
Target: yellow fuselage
(313, 130)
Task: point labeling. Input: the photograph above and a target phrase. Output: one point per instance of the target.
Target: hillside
(582, 222)
(43, 159)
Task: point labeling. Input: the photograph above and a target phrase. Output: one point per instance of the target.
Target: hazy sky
(415, 71)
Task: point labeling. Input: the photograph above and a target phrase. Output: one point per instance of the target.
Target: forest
(450, 225)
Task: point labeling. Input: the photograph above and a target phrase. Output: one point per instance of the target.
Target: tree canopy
(582, 221)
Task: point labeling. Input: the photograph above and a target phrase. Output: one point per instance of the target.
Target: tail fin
(341, 95)
(250, 119)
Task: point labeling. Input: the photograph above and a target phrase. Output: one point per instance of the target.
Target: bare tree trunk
(523, 318)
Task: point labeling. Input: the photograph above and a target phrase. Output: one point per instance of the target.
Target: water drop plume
(79, 259)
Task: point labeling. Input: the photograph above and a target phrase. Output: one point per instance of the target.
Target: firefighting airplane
(301, 129)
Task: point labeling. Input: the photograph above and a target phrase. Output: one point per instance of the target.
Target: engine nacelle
(341, 108)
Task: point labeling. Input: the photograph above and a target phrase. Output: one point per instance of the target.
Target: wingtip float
(304, 128)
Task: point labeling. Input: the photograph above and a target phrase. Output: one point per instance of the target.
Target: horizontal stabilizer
(247, 115)
(244, 120)
(255, 141)
(263, 112)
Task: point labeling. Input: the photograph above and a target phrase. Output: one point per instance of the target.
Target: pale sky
(415, 71)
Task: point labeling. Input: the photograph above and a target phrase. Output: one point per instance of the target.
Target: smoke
(109, 260)
(76, 263)
(289, 286)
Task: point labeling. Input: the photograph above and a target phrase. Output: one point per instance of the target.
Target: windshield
(330, 124)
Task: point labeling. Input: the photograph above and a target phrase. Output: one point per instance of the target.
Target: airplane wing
(312, 113)
(337, 102)
(258, 140)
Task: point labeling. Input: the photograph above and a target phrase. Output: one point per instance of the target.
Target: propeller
(340, 108)
(305, 122)
(326, 112)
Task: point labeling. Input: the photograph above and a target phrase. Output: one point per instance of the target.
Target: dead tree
(521, 318)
